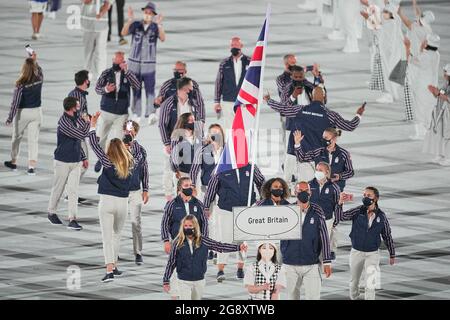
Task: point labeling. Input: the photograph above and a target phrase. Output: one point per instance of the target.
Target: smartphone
(29, 50)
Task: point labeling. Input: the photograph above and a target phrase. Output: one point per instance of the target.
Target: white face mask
(267, 252)
(147, 17)
(319, 175)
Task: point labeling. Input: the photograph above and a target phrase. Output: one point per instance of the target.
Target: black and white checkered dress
(260, 280)
(377, 79)
(408, 101)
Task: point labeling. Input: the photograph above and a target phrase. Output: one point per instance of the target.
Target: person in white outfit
(437, 138)
(425, 68)
(94, 22)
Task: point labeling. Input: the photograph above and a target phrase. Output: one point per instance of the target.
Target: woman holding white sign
(265, 278)
(189, 255)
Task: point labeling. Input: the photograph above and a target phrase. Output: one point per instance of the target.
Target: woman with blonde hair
(189, 255)
(113, 188)
(26, 113)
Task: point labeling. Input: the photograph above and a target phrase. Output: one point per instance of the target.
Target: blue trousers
(147, 75)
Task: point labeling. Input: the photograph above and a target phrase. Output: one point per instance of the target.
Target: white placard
(266, 222)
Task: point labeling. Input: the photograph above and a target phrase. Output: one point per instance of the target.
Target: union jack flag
(238, 146)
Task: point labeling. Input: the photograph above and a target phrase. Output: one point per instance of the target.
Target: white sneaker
(34, 36)
(385, 98)
(152, 119)
(445, 162)
(52, 15)
(438, 159)
(307, 6)
(336, 35)
(315, 22)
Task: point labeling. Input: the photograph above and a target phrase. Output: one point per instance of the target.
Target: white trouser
(168, 177)
(31, 119)
(370, 263)
(66, 175)
(332, 234)
(227, 114)
(111, 125)
(212, 221)
(135, 209)
(112, 212)
(296, 276)
(224, 232)
(95, 51)
(191, 290)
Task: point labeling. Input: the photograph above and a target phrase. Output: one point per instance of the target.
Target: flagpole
(260, 99)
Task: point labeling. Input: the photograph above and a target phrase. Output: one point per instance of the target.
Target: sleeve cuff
(297, 146)
(359, 116)
(326, 262)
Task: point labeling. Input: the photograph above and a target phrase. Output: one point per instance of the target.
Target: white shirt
(237, 175)
(302, 99)
(184, 107)
(217, 154)
(118, 74)
(186, 206)
(146, 25)
(237, 68)
(372, 217)
(249, 277)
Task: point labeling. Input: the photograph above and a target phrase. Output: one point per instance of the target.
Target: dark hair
(180, 182)
(182, 82)
(431, 48)
(274, 258)
(69, 103)
(265, 190)
(81, 76)
(297, 69)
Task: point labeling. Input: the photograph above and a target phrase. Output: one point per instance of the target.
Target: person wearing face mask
(142, 60)
(417, 32)
(424, 69)
(369, 225)
(274, 192)
(170, 87)
(312, 120)
(205, 160)
(185, 142)
(302, 258)
(138, 186)
(114, 85)
(26, 113)
(189, 255)
(94, 24)
(437, 138)
(232, 188)
(171, 110)
(326, 194)
(80, 93)
(69, 157)
(265, 278)
(337, 157)
(229, 79)
(184, 204)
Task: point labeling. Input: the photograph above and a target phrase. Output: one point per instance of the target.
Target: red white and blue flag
(239, 139)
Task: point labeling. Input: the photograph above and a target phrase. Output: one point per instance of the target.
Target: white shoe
(307, 6)
(438, 159)
(385, 98)
(152, 119)
(52, 15)
(315, 22)
(34, 36)
(336, 35)
(445, 162)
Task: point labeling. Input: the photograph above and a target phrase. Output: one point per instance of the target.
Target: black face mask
(127, 139)
(216, 138)
(188, 231)
(298, 83)
(187, 191)
(235, 51)
(189, 126)
(367, 202)
(277, 192)
(191, 95)
(177, 75)
(326, 142)
(303, 196)
(88, 84)
(116, 67)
